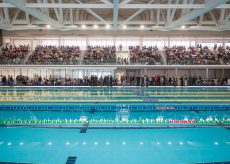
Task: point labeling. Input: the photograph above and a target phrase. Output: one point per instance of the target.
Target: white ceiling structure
(116, 15)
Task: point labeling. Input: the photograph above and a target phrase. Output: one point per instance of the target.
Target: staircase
(123, 54)
(81, 57)
(27, 57)
(163, 57)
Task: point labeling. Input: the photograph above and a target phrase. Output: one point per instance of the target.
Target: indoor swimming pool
(164, 125)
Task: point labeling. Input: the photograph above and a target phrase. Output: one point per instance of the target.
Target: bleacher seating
(179, 55)
(13, 54)
(65, 55)
(144, 55)
(100, 55)
(55, 55)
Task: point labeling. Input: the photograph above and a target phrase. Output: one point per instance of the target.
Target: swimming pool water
(158, 146)
(116, 120)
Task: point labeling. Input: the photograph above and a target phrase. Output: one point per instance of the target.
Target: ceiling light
(183, 27)
(48, 26)
(83, 26)
(124, 26)
(95, 26)
(142, 26)
(107, 26)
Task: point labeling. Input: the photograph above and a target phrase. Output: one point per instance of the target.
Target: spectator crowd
(13, 54)
(65, 55)
(55, 55)
(144, 55)
(179, 55)
(100, 55)
(109, 80)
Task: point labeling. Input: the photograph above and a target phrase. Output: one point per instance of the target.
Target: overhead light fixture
(107, 26)
(83, 26)
(142, 26)
(183, 27)
(95, 26)
(124, 26)
(48, 26)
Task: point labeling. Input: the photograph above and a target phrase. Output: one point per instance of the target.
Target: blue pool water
(148, 146)
(122, 125)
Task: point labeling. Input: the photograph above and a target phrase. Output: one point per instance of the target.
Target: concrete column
(206, 73)
(222, 73)
(145, 71)
(176, 72)
(141, 41)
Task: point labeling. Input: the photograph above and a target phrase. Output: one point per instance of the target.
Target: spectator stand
(145, 55)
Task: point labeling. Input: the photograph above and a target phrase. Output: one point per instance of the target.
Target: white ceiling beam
(110, 6)
(35, 13)
(60, 12)
(222, 14)
(125, 2)
(137, 13)
(213, 17)
(174, 11)
(4, 26)
(115, 14)
(27, 18)
(71, 16)
(163, 16)
(156, 28)
(158, 17)
(183, 10)
(201, 19)
(151, 15)
(106, 1)
(187, 10)
(56, 12)
(147, 23)
(211, 4)
(92, 12)
(15, 16)
(65, 17)
(225, 27)
(168, 13)
(226, 19)
(46, 10)
(2, 20)
(6, 15)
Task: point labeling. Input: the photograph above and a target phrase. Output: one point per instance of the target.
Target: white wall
(81, 41)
